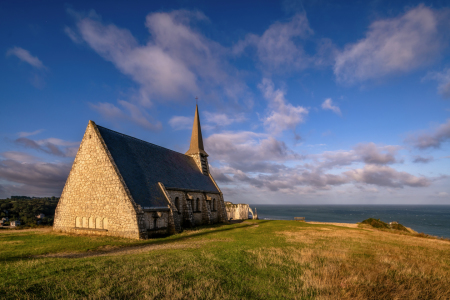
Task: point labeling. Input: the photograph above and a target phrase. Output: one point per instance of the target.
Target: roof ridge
(126, 135)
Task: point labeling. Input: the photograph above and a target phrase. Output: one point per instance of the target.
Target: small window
(177, 203)
(214, 204)
(197, 205)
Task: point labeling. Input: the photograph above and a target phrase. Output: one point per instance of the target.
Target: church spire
(196, 137)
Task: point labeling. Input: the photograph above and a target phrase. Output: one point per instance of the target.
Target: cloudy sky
(301, 102)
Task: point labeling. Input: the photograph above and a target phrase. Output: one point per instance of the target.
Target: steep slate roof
(142, 165)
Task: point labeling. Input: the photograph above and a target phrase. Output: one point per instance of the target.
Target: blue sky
(301, 102)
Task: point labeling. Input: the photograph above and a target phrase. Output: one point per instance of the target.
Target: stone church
(122, 186)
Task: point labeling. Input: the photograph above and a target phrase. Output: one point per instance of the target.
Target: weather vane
(196, 100)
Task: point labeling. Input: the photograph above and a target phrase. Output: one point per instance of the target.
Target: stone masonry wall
(198, 160)
(184, 209)
(95, 200)
(191, 215)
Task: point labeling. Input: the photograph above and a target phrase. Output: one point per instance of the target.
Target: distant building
(5, 219)
(14, 223)
(40, 216)
(122, 186)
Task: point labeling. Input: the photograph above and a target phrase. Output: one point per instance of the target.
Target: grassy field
(249, 260)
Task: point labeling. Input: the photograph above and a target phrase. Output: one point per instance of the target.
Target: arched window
(105, 223)
(197, 205)
(91, 222)
(85, 222)
(98, 223)
(177, 203)
(214, 204)
(78, 222)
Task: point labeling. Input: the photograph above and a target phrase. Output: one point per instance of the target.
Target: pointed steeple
(196, 137)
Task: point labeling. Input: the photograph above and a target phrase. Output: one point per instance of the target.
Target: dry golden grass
(363, 264)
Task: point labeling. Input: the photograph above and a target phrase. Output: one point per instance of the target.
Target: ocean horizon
(429, 219)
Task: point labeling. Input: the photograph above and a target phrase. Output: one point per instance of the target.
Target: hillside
(26, 209)
(249, 260)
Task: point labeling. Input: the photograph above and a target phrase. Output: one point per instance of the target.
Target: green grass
(250, 260)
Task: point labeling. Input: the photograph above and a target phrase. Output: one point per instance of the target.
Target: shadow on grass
(151, 244)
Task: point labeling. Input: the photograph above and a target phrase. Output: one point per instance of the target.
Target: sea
(429, 219)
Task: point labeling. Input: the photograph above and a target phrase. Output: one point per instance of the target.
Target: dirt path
(117, 250)
(111, 250)
(349, 225)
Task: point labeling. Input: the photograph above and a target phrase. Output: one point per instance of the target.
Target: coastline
(355, 225)
(430, 220)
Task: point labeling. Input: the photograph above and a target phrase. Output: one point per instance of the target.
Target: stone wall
(197, 208)
(202, 162)
(96, 194)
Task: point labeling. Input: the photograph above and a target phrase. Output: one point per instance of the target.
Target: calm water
(433, 220)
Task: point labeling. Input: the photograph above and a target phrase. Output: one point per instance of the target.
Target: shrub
(399, 227)
(375, 223)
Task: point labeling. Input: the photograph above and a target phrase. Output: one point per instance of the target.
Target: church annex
(123, 186)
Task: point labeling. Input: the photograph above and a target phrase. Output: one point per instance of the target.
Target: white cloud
(52, 146)
(149, 65)
(19, 156)
(25, 134)
(176, 61)
(108, 110)
(282, 115)
(431, 139)
(262, 162)
(391, 46)
(32, 177)
(37, 76)
(246, 146)
(221, 119)
(423, 160)
(24, 55)
(180, 122)
(368, 153)
(139, 116)
(130, 112)
(328, 105)
(277, 47)
(443, 79)
(73, 35)
(386, 176)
